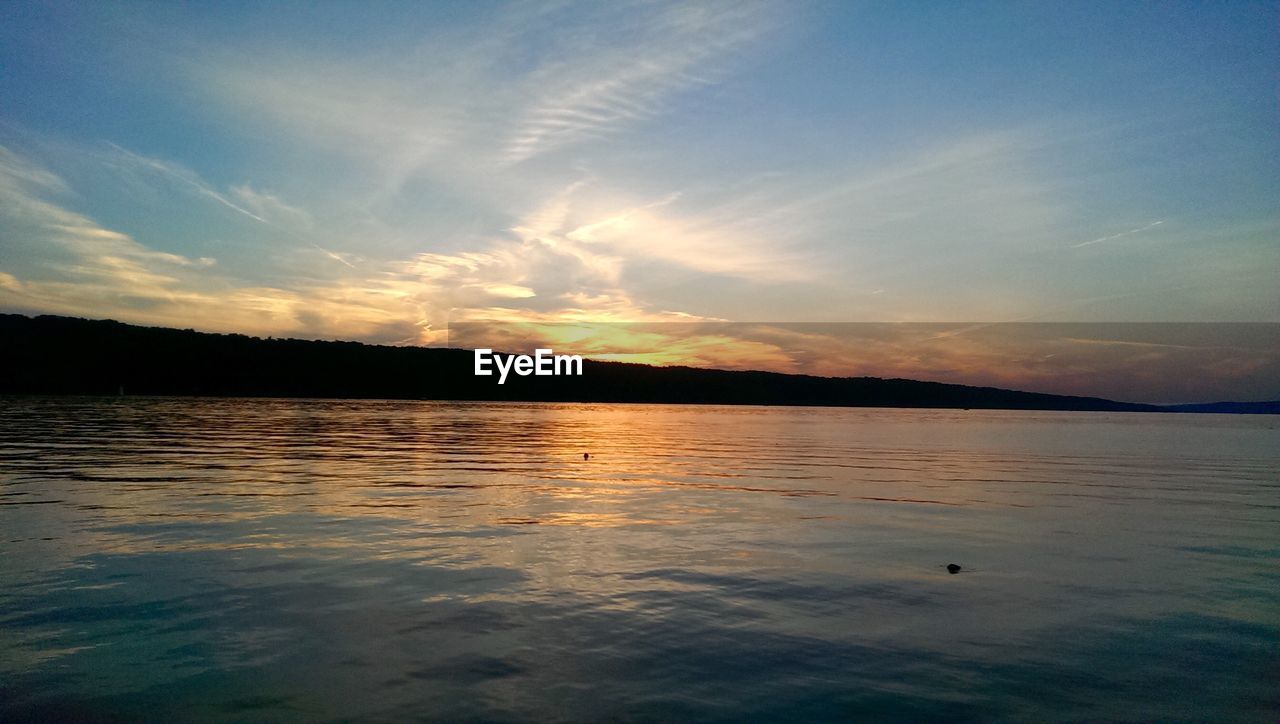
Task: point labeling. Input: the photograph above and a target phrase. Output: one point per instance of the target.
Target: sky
(376, 171)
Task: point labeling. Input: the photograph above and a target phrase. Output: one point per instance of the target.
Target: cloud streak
(681, 50)
(517, 84)
(1121, 235)
(182, 176)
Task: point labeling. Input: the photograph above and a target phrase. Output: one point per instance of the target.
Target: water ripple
(311, 560)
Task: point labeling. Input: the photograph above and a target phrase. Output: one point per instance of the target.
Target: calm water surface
(271, 559)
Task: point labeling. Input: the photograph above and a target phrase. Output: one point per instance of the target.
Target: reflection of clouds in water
(274, 558)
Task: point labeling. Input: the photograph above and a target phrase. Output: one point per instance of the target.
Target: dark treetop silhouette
(63, 355)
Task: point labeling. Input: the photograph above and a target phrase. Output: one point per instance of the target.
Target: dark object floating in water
(953, 568)
(586, 456)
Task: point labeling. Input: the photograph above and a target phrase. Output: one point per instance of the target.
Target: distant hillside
(1241, 408)
(63, 355)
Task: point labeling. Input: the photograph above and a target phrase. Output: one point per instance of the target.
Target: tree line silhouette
(65, 355)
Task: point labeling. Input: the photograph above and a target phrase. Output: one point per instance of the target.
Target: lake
(376, 560)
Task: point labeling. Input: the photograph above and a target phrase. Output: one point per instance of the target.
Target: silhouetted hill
(63, 355)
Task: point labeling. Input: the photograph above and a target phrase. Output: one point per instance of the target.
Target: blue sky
(374, 171)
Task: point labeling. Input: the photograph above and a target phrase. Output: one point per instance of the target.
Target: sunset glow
(360, 179)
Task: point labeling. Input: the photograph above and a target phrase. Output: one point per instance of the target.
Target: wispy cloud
(473, 97)
(87, 268)
(101, 271)
(182, 176)
(266, 207)
(1121, 235)
(679, 48)
(262, 207)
